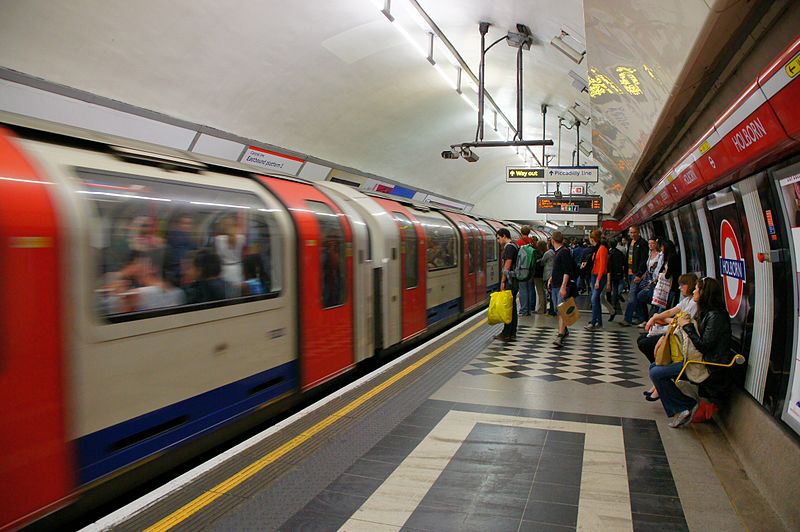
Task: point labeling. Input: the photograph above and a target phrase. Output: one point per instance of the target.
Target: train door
(363, 293)
(490, 246)
(783, 382)
(325, 278)
(480, 254)
(37, 464)
(497, 253)
(734, 260)
(412, 268)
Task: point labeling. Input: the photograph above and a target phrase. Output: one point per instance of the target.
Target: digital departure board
(569, 205)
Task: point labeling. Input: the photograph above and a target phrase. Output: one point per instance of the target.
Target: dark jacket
(640, 255)
(713, 339)
(616, 264)
(673, 264)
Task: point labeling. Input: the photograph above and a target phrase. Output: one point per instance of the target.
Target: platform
(467, 433)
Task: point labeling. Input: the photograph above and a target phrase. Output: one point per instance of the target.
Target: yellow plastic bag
(501, 307)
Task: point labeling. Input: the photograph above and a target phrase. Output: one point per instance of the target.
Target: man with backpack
(508, 280)
(561, 281)
(527, 296)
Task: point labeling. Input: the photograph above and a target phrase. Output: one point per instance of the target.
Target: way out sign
(731, 268)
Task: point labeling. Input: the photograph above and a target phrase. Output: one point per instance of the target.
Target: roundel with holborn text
(731, 268)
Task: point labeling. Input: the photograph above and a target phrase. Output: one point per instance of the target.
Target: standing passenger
(637, 266)
(507, 281)
(616, 272)
(525, 287)
(538, 276)
(548, 259)
(229, 245)
(563, 272)
(599, 261)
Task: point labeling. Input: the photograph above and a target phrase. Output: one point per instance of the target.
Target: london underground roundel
(731, 268)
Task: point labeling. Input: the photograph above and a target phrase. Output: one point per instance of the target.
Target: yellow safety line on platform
(225, 486)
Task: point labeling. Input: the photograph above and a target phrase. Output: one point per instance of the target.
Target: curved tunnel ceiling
(339, 81)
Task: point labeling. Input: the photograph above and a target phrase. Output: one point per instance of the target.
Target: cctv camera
(449, 154)
(469, 155)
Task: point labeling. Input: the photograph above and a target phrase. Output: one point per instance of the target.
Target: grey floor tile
(548, 512)
(335, 504)
(653, 486)
(479, 521)
(372, 469)
(647, 523)
(644, 503)
(531, 526)
(355, 485)
(562, 494)
(308, 521)
(436, 519)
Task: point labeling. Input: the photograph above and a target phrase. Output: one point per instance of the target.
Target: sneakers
(625, 323)
(592, 327)
(641, 325)
(683, 418)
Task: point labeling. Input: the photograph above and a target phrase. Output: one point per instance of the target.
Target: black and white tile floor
(596, 357)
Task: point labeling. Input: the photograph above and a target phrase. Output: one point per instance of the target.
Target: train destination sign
(569, 205)
(552, 174)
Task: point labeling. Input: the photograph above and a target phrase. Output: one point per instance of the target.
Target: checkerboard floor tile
(603, 356)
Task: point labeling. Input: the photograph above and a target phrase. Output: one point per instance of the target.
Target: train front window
(163, 247)
(332, 255)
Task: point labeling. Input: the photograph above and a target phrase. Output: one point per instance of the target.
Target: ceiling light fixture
(567, 49)
(585, 149)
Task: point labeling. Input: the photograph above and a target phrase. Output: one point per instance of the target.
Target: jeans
(672, 399)
(510, 329)
(647, 345)
(597, 295)
(616, 291)
(633, 302)
(527, 297)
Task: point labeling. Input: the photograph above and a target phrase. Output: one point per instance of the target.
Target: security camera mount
(522, 40)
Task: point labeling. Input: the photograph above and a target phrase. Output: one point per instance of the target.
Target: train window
(479, 251)
(693, 239)
(440, 239)
(491, 243)
(332, 254)
(163, 247)
(409, 250)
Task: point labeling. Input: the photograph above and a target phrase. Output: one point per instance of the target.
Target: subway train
(731, 204)
(152, 299)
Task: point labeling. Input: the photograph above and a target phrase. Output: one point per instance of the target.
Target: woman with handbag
(659, 324)
(711, 336)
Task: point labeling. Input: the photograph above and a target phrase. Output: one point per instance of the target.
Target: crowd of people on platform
(647, 276)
